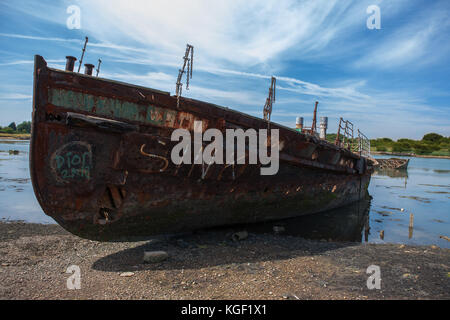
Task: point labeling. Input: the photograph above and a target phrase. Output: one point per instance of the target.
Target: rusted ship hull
(92, 173)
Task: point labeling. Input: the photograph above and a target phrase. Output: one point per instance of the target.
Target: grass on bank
(20, 136)
(21, 131)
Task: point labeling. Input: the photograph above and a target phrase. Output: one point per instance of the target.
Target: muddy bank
(209, 265)
(15, 136)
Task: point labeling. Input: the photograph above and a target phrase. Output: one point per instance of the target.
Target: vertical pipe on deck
(323, 127)
(70, 63)
(88, 68)
(299, 124)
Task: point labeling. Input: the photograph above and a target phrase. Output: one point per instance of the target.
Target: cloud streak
(422, 41)
(15, 96)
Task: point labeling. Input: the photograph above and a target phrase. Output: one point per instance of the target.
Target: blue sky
(391, 82)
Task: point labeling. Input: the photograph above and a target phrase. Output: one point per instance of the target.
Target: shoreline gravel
(209, 265)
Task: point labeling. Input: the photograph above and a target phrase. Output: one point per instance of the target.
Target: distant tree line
(24, 127)
(430, 144)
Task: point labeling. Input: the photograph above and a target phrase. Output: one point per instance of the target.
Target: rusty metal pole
(98, 67)
(267, 110)
(82, 54)
(189, 62)
(338, 142)
(313, 126)
(360, 143)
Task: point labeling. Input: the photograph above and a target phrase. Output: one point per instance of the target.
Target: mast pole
(313, 126)
(82, 54)
(98, 67)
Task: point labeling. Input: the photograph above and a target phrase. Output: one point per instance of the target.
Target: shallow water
(423, 190)
(17, 200)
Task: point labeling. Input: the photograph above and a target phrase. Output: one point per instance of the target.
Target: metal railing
(363, 145)
(344, 136)
(345, 139)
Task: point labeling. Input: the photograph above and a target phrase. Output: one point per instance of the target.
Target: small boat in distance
(100, 162)
(392, 163)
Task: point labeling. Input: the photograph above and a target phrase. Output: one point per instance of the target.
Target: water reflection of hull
(349, 223)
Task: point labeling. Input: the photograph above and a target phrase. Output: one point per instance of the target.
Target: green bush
(331, 137)
(401, 147)
(6, 130)
(24, 127)
(12, 125)
(431, 143)
(432, 137)
(423, 149)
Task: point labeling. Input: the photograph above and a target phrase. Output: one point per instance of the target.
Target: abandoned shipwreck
(100, 161)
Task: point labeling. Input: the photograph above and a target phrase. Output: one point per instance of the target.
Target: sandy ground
(15, 136)
(209, 265)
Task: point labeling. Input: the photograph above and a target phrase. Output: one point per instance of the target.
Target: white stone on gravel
(127, 274)
(155, 256)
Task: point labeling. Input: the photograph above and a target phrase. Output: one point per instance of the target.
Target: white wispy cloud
(75, 41)
(347, 101)
(249, 33)
(25, 62)
(421, 41)
(239, 45)
(230, 33)
(16, 62)
(14, 96)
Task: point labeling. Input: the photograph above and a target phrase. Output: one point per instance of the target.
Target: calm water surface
(17, 200)
(424, 191)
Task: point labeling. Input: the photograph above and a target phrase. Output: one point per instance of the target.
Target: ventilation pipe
(323, 127)
(299, 124)
(70, 63)
(88, 68)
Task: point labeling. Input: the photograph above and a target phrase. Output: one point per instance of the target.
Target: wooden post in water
(411, 225)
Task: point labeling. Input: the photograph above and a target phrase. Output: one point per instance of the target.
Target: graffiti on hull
(72, 162)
